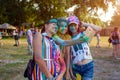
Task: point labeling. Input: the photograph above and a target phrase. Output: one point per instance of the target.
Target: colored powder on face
(56, 28)
(72, 29)
(63, 26)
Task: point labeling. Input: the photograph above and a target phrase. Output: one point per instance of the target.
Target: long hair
(116, 29)
(78, 30)
(70, 33)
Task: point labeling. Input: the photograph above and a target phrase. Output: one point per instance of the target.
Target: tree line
(17, 12)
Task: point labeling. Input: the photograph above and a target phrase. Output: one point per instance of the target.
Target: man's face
(52, 28)
(63, 27)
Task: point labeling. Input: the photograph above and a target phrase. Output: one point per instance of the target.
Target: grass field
(13, 60)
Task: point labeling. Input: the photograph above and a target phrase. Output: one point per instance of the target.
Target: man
(29, 36)
(49, 62)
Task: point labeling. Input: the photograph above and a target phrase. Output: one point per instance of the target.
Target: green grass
(14, 60)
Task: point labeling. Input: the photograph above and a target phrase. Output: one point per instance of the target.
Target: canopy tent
(7, 26)
(6, 29)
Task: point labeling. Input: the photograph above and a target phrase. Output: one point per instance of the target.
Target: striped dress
(51, 56)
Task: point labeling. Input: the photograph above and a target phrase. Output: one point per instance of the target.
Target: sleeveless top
(115, 35)
(80, 52)
(51, 56)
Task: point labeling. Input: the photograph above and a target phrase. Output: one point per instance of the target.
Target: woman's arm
(71, 72)
(63, 68)
(111, 36)
(67, 56)
(79, 39)
(95, 27)
(37, 48)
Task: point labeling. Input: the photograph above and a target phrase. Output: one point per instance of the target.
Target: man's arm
(37, 48)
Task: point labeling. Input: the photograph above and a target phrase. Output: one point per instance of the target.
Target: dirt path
(106, 67)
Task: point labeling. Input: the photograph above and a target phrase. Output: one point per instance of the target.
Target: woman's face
(52, 28)
(73, 27)
(63, 27)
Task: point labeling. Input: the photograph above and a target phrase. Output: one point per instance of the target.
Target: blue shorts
(86, 71)
(116, 41)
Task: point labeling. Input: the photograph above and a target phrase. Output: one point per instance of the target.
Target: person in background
(36, 30)
(1, 39)
(21, 33)
(115, 39)
(0, 35)
(98, 39)
(29, 36)
(16, 37)
(49, 63)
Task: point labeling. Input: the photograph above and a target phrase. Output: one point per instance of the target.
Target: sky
(103, 16)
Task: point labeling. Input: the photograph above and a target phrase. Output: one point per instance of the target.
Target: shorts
(116, 41)
(16, 37)
(86, 71)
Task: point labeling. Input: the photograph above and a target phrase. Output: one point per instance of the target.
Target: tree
(116, 18)
(17, 12)
(51, 9)
(87, 9)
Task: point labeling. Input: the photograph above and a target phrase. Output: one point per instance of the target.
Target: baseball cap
(73, 19)
(51, 21)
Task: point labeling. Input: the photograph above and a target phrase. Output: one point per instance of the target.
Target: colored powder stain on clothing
(52, 52)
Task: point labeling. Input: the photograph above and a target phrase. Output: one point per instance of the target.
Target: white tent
(7, 26)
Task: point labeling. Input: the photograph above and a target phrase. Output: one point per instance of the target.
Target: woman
(115, 37)
(65, 50)
(49, 62)
(82, 61)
